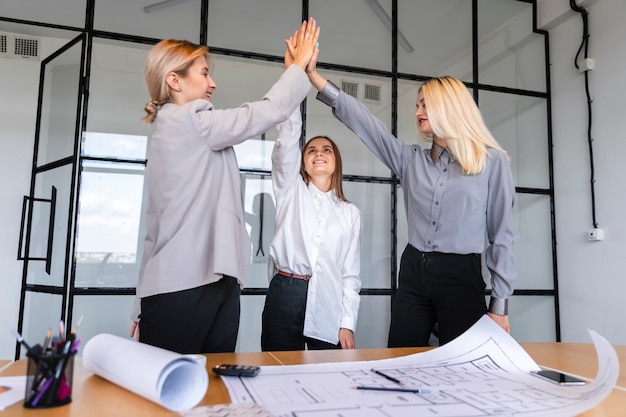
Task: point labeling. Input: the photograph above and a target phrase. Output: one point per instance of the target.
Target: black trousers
(434, 287)
(199, 320)
(283, 317)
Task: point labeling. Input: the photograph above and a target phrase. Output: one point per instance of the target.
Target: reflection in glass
(108, 241)
(260, 215)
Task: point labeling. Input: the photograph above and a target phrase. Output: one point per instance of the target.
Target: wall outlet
(595, 235)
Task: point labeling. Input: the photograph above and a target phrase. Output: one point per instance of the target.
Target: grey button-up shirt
(447, 211)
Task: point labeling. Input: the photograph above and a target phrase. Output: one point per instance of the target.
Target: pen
(415, 390)
(390, 378)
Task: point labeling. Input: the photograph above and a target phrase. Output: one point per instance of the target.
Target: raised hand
(302, 45)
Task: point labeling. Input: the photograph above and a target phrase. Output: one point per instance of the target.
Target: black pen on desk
(390, 378)
(399, 389)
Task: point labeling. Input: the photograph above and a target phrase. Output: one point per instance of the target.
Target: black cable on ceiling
(584, 46)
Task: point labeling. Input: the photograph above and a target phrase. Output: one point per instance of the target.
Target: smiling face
(319, 158)
(197, 84)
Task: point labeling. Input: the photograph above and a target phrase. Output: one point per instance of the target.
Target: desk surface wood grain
(96, 397)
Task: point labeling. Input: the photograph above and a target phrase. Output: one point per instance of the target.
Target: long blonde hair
(454, 115)
(169, 55)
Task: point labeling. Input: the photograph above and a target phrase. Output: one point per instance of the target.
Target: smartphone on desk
(558, 377)
(227, 369)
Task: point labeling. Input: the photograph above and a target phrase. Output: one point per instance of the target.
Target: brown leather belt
(289, 274)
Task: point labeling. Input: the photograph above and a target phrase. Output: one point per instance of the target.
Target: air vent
(19, 47)
(372, 93)
(350, 88)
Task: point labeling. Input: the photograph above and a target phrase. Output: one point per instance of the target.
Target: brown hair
(336, 180)
(169, 55)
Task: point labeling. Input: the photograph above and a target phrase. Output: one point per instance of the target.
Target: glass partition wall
(377, 50)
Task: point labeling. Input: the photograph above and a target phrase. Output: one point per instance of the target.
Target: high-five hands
(302, 45)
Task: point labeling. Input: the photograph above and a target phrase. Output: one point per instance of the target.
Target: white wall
(592, 279)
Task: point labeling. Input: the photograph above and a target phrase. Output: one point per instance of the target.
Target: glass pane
(448, 24)
(372, 327)
(256, 153)
(532, 318)
(102, 314)
(41, 312)
(374, 201)
(113, 145)
(260, 214)
(117, 96)
(249, 337)
(154, 19)
(110, 212)
(60, 178)
(357, 160)
(59, 106)
(57, 12)
(354, 26)
(533, 242)
(259, 26)
(520, 125)
(234, 76)
(509, 53)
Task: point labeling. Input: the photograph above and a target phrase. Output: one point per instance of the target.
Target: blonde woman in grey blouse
(197, 250)
(455, 193)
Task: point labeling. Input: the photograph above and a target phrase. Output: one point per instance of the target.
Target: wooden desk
(95, 397)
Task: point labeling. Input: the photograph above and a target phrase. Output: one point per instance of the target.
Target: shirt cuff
(499, 306)
(329, 93)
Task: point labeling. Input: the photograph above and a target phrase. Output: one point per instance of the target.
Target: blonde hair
(336, 180)
(169, 55)
(454, 115)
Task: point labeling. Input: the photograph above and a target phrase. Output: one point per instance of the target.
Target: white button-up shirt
(316, 234)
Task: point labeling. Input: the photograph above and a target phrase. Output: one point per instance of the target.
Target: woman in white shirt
(313, 297)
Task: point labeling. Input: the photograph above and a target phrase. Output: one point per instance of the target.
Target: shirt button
(441, 183)
(434, 223)
(445, 170)
(436, 203)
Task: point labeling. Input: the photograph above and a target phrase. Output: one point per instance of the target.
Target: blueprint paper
(170, 379)
(483, 372)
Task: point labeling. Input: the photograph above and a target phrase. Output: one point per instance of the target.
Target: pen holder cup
(49, 380)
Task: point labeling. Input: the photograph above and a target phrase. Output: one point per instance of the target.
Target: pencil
(390, 378)
(370, 388)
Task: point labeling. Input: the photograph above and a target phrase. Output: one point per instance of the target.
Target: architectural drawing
(484, 372)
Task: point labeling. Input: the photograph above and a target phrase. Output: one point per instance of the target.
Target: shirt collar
(436, 151)
(316, 193)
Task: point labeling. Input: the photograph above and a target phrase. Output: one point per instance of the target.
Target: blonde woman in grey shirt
(197, 250)
(455, 193)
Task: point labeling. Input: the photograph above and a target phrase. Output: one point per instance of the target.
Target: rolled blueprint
(168, 378)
